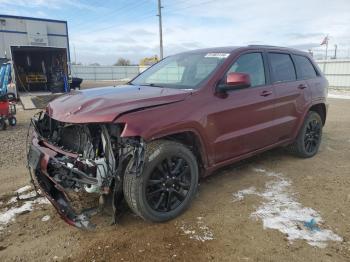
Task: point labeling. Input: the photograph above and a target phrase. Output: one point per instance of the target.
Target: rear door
(307, 72)
(241, 120)
(292, 94)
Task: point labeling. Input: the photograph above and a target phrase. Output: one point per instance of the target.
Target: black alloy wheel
(312, 136)
(309, 137)
(168, 184)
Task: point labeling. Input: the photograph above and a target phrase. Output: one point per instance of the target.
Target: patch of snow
(46, 218)
(282, 212)
(337, 96)
(238, 196)
(23, 189)
(339, 93)
(22, 197)
(260, 170)
(9, 214)
(42, 201)
(28, 195)
(199, 232)
(12, 200)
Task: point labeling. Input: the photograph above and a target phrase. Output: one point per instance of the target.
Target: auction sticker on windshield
(217, 55)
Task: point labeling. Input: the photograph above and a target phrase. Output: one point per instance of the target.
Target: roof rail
(266, 46)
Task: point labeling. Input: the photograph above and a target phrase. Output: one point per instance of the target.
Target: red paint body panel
(105, 104)
(230, 126)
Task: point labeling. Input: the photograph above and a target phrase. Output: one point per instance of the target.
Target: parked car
(151, 140)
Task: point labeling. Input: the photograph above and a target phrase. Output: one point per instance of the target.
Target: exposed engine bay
(88, 158)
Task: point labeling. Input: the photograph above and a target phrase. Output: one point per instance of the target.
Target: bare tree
(122, 62)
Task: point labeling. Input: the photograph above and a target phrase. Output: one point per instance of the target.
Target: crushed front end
(71, 158)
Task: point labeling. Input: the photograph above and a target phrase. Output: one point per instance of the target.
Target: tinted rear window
(282, 67)
(305, 69)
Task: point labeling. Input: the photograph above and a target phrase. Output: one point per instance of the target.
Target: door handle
(266, 93)
(302, 86)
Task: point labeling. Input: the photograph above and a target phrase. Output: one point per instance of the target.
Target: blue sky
(103, 31)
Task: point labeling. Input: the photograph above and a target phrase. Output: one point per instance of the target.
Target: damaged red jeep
(151, 140)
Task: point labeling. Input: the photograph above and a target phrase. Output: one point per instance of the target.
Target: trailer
(38, 51)
(40, 69)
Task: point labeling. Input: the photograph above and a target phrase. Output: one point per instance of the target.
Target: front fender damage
(70, 160)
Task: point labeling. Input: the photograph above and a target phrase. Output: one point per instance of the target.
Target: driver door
(242, 119)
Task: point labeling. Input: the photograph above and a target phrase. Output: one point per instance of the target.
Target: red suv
(150, 141)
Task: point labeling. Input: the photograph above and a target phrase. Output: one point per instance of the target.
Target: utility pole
(335, 51)
(160, 29)
(75, 55)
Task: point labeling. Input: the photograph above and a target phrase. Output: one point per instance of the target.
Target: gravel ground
(223, 223)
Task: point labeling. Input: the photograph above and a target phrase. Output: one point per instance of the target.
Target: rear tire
(309, 137)
(3, 125)
(12, 121)
(167, 184)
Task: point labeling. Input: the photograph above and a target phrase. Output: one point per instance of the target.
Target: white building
(29, 31)
(38, 50)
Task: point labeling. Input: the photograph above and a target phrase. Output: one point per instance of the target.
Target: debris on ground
(46, 218)
(199, 231)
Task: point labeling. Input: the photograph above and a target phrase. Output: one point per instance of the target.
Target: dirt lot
(221, 225)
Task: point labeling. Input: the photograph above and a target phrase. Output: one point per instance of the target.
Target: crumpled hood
(105, 104)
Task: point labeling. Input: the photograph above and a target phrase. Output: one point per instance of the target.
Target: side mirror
(235, 81)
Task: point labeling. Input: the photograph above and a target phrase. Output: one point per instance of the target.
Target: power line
(175, 4)
(190, 6)
(129, 10)
(114, 25)
(114, 12)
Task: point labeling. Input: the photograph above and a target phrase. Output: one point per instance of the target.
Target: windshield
(182, 71)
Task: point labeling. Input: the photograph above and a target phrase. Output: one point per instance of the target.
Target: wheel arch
(321, 109)
(318, 107)
(193, 141)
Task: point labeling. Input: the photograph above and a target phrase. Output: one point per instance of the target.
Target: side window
(282, 67)
(305, 70)
(251, 64)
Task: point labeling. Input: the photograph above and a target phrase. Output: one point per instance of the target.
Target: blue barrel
(5, 75)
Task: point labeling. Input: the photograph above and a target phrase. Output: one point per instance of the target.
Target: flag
(325, 41)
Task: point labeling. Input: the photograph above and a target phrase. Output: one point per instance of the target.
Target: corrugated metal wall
(337, 72)
(104, 72)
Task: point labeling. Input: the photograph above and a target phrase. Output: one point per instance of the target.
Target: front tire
(308, 140)
(167, 184)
